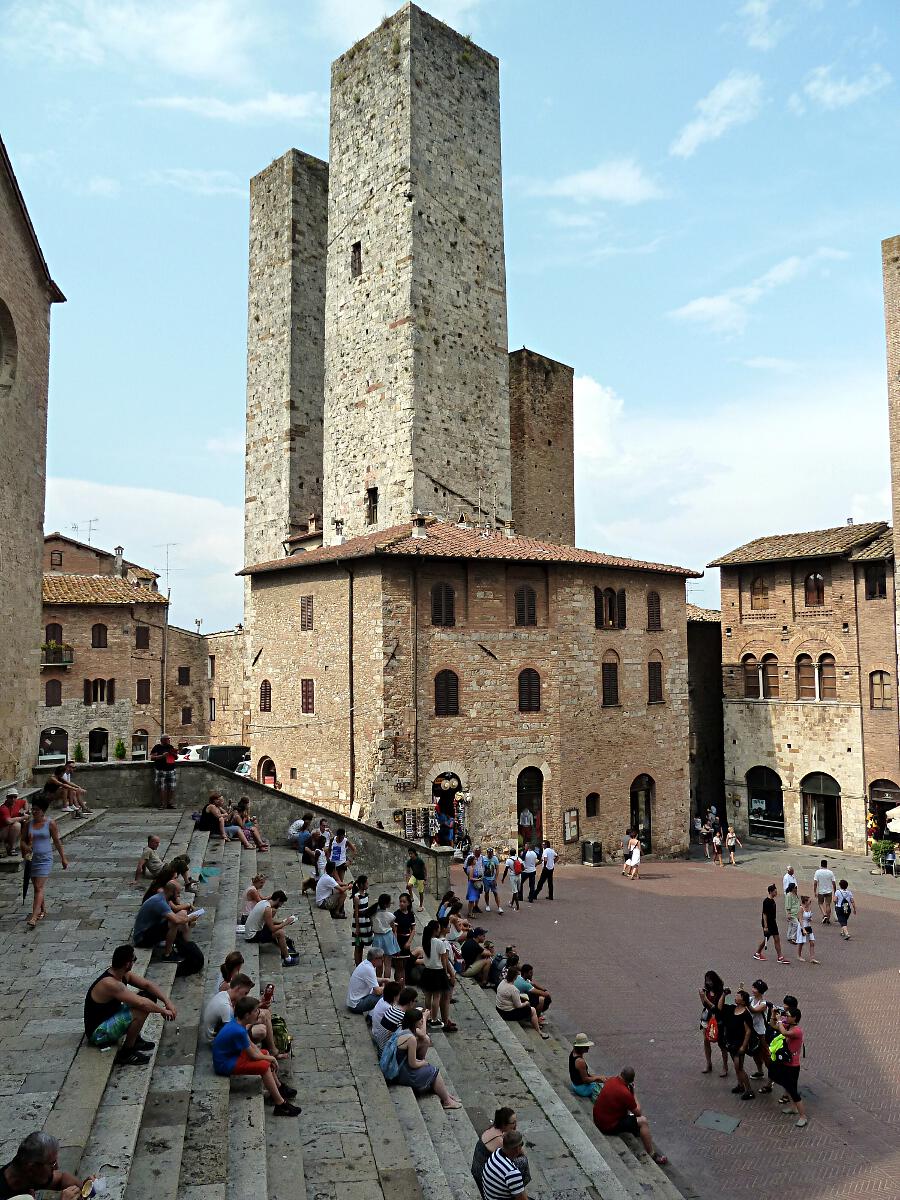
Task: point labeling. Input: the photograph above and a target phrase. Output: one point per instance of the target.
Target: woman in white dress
(634, 857)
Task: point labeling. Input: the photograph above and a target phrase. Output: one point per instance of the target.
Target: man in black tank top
(112, 1010)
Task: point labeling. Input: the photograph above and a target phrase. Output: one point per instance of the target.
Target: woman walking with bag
(792, 911)
(36, 843)
(438, 978)
(634, 857)
(844, 905)
(740, 1039)
(712, 996)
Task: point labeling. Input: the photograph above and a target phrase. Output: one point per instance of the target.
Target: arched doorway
(765, 800)
(98, 745)
(53, 747)
(643, 793)
(822, 811)
(883, 796)
(530, 806)
(446, 790)
(265, 771)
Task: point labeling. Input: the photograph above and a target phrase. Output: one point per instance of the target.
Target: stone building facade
(569, 688)
(812, 745)
(542, 444)
(890, 263)
(27, 292)
(704, 648)
(226, 670)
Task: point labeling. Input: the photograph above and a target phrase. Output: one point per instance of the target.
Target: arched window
(654, 611)
(759, 594)
(769, 666)
(806, 678)
(592, 805)
(526, 605)
(655, 679)
(814, 590)
(97, 691)
(609, 678)
(609, 608)
(751, 677)
(443, 605)
(265, 696)
(53, 633)
(529, 690)
(827, 677)
(880, 695)
(446, 694)
(98, 637)
(53, 693)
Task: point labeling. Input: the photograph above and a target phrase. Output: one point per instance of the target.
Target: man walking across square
(824, 887)
(770, 927)
(548, 865)
(529, 871)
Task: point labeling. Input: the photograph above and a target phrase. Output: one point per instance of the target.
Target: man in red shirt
(616, 1111)
(13, 812)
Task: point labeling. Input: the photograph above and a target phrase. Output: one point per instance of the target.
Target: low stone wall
(381, 855)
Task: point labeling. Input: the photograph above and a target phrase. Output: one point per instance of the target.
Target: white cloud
(208, 536)
(828, 92)
(103, 185)
(202, 39)
(346, 21)
(735, 100)
(762, 28)
(669, 487)
(762, 362)
(729, 311)
(617, 181)
(273, 106)
(227, 444)
(198, 182)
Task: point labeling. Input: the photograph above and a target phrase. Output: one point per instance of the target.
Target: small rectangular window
(56, 558)
(223, 696)
(876, 581)
(143, 691)
(211, 667)
(142, 637)
(654, 683)
(293, 772)
(356, 260)
(212, 708)
(187, 715)
(306, 613)
(307, 695)
(372, 506)
(184, 676)
(610, 689)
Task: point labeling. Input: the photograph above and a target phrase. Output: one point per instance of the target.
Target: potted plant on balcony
(119, 749)
(78, 753)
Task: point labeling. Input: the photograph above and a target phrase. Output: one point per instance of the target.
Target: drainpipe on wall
(164, 727)
(862, 719)
(352, 724)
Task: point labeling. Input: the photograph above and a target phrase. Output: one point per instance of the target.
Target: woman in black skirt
(438, 978)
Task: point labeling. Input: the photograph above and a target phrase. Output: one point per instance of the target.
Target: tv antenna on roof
(88, 525)
(167, 546)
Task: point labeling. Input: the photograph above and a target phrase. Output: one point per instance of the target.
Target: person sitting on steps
(331, 893)
(262, 928)
(617, 1112)
(113, 1009)
(157, 921)
(234, 1054)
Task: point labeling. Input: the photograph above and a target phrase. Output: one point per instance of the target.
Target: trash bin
(591, 854)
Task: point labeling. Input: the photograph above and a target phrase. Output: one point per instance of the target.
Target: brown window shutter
(306, 613)
(526, 605)
(110, 691)
(827, 678)
(307, 695)
(751, 678)
(621, 613)
(598, 608)
(88, 692)
(443, 605)
(654, 611)
(529, 691)
(265, 696)
(654, 683)
(446, 694)
(610, 688)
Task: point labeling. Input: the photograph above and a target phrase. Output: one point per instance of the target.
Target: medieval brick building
(422, 636)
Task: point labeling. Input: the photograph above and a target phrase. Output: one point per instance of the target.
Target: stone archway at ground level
(821, 811)
(448, 785)
(266, 772)
(884, 795)
(528, 790)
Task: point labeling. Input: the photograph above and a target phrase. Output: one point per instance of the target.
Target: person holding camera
(786, 1021)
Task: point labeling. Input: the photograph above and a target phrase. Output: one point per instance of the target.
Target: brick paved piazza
(624, 961)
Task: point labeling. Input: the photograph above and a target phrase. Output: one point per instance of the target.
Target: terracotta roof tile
(882, 547)
(445, 540)
(96, 589)
(817, 543)
(711, 616)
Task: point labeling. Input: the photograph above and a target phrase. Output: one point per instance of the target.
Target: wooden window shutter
(443, 605)
(529, 690)
(53, 693)
(265, 696)
(610, 688)
(306, 613)
(446, 694)
(806, 678)
(307, 695)
(654, 683)
(143, 691)
(526, 605)
(771, 681)
(654, 611)
(142, 637)
(751, 677)
(827, 678)
(110, 691)
(598, 608)
(621, 614)
(88, 692)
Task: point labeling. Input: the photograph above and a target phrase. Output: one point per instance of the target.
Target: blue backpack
(390, 1068)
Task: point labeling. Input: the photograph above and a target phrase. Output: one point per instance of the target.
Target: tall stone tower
(416, 377)
(542, 443)
(890, 265)
(285, 351)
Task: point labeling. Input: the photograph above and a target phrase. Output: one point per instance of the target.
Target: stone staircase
(176, 1131)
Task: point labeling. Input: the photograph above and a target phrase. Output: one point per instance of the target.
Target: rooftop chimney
(418, 525)
(119, 552)
(849, 520)
(509, 530)
(339, 531)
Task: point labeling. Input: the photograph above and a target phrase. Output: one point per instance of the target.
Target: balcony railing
(57, 656)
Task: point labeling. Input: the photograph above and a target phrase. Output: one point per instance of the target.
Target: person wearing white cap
(583, 1082)
(13, 812)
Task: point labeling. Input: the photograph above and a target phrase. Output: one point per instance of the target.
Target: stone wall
(877, 648)
(187, 651)
(381, 854)
(24, 363)
(227, 686)
(890, 262)
(416, 397)
(541, 429)
(285, 351)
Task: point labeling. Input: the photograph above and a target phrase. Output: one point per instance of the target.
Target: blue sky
(695, 198)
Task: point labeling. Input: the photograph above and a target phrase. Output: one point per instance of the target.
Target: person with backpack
(400, 1061)
(844, 905)
(490, 865)
(513, 869)
(235, 1054)
(475, 877)
(712, 996)
(339, 850)
(785, 1050)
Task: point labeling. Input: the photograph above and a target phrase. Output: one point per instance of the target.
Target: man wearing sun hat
(583, 1083)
